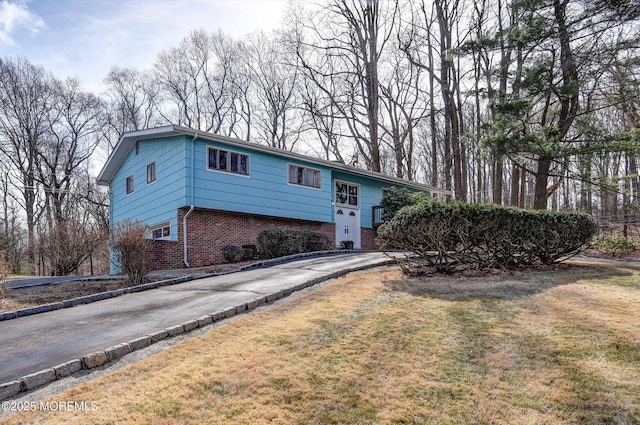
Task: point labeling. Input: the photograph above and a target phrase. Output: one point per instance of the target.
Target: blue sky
(85, 38)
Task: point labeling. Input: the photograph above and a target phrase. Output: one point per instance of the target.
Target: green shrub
(314, 241)
(250, 252)
(615, 243)
(279, 242)
(396, 199)
(445, 236)
(232, 253)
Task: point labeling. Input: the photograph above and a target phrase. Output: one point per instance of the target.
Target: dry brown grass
(548, 347)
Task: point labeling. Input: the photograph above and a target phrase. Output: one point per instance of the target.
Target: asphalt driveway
(33, 343)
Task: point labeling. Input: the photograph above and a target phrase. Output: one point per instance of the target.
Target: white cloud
(15, 16)
(85, 38)
(132, 34)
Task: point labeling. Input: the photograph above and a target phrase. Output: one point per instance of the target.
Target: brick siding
(210, 230)
(166, 255)
(368, 239)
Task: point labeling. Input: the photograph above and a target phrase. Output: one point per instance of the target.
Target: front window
(227, 161)
(347, 194)
(304, 176)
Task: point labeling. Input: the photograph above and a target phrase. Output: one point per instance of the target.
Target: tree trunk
(452, 125)
(373, 95)
(542, 176)
(410, 151)
(523, 187)
(515, 184)
(433, 126)
(497, 180)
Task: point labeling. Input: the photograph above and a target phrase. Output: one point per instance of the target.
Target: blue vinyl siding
(265, 191)
(157, 202)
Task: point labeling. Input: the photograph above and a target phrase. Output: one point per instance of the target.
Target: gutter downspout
(191, 208)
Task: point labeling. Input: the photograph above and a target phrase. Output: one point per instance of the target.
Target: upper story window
(227, 161)
(151, 172)
(347, 194)
(304, 176)
(130, 184)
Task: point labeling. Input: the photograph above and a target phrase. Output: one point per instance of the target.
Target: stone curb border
(153, 285)
(281, 260)
(92, 298)
(100, 358)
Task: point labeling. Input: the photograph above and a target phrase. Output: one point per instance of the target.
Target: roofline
(122, 148)
(124, 145)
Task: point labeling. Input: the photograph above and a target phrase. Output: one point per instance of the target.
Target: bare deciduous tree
(133, 100)
(74, 132)
(447, 16)
(276, 111)
(345, 42)
(200, 84)
(68, 244)
(27, 101)
(405, 107)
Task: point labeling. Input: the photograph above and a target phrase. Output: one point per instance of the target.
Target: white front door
(347, 212)
(347, 225)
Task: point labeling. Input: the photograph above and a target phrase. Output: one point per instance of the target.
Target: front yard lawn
(553, 346)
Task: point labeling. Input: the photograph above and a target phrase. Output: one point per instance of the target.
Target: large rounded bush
(279, 242)
(485, 235)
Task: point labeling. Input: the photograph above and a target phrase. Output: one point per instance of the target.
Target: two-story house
(198, 192)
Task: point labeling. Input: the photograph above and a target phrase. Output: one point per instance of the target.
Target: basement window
(162, 231)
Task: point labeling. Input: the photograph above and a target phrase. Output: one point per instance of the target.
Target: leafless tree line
(532, 103)
(515, 102)
(51, 210)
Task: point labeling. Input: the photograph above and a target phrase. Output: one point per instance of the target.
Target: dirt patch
(600, 253)
(17, 299)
